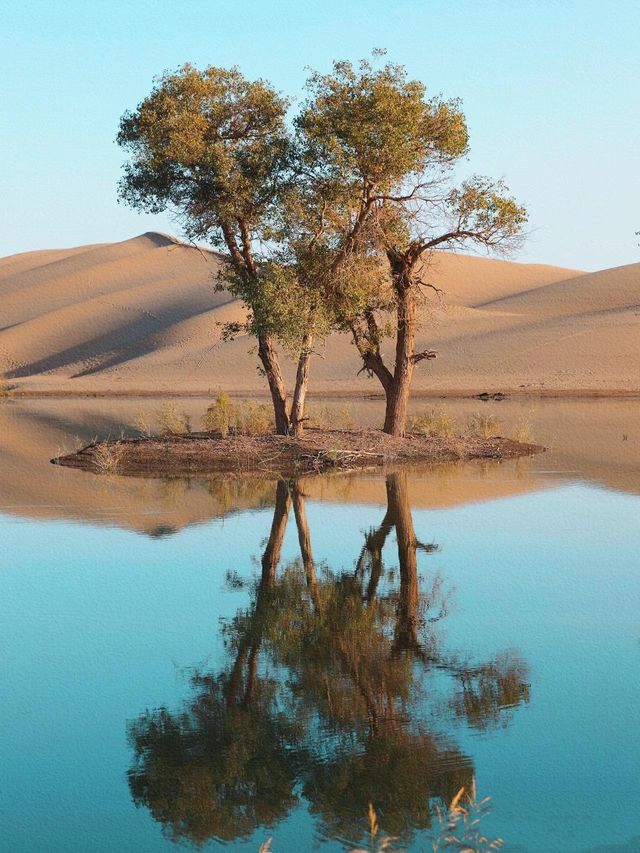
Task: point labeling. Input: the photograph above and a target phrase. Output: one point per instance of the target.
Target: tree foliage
(392, 151)
(327, 223)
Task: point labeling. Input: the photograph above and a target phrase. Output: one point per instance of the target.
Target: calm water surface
(210, 663)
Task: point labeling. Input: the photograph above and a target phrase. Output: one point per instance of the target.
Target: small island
(317, 450)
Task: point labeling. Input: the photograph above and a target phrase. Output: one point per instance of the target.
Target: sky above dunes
(549, 90)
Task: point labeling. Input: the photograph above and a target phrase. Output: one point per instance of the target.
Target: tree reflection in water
(325, 697)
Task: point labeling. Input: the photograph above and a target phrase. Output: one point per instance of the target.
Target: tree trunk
(271, 365)
(304, 539)
(399, 389)
(252, 639)
(271, 555)
(408, 616)
(300, 391)
(371, 556)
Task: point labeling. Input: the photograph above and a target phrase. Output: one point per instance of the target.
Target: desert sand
(143, 315)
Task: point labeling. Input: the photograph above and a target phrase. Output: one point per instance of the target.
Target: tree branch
(236, 255)
(425, 354)
(246, 246)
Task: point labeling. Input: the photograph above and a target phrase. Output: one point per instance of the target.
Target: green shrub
(220, 415)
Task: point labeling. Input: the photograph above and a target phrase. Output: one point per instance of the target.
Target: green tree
(214, 148)
(392, 151)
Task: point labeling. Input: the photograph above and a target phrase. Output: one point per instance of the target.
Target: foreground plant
(458, 829)
(434, 422)
(241, 418)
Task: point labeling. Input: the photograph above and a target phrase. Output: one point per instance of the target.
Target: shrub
(173, 421)
(322, 417)
(107, 457)
(220, 415)
(254, 419)
(522, 430)
(484, 426)
(142, 423)
(434, 422)
(244, 418)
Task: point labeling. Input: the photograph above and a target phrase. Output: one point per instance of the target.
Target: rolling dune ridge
(144, 315)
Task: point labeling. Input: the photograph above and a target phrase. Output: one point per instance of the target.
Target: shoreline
(317, 451)
(488, 392)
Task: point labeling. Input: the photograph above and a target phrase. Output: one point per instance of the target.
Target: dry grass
(458, 829)
(108, 456)
(173, 421)
(435, 422)
(325, 417)
(168, 420)
(316, 450)
(522, 430)
(484, 426)
(225, 416)
(142, 422)
(254, 419)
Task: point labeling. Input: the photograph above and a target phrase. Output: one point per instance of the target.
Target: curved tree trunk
(249, 648)
(300, 391)
(271, 366)
(371, 556)
(367, 336)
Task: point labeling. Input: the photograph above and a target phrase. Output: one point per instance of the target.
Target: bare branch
(425, 354)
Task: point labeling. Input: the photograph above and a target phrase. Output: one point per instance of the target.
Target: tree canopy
(393, 150)
(326, 221)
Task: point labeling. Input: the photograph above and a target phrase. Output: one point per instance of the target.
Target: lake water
(217, 663)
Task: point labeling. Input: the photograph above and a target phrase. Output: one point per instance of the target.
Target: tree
(214, 148)
(393, 151)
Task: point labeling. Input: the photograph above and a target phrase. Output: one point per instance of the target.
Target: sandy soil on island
(143, 316)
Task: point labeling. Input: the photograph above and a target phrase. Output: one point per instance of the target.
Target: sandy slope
(144, 315)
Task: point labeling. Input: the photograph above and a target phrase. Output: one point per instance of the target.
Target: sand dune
(588, 293)
(144, 315)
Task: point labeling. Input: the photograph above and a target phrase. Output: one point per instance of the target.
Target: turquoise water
(215, 664)
(101, 625)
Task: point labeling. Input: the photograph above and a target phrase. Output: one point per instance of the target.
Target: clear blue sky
(550, 89)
